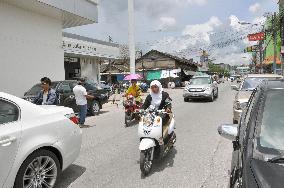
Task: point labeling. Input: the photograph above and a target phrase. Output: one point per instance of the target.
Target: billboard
(256, 36)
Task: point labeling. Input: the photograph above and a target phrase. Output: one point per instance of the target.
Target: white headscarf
(156, 97)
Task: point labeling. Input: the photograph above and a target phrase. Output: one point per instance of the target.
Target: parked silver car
(201, 87)
(245, 89)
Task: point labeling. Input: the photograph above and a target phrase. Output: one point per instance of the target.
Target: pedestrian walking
(47, 96)
(81, 97)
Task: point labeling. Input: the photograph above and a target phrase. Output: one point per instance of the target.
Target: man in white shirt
(81, 97)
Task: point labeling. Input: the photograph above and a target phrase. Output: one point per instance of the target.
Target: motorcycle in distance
(131, 108)
(152, 143)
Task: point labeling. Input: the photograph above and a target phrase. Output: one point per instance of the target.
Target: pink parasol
(133, 77)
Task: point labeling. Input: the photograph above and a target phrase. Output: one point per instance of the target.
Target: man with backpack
(47, 96)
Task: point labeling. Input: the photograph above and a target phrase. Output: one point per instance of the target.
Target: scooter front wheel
(128, 119)
(146, 161)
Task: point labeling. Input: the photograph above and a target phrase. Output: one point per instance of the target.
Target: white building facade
(31, 39)
(83, 56)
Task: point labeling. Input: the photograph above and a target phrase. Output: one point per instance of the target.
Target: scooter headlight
(158, 120)
(147, 121)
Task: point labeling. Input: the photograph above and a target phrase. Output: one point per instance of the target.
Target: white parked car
(36, 142)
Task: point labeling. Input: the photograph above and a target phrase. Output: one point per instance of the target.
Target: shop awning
(154, 75)
(269, 60)
(170, 73)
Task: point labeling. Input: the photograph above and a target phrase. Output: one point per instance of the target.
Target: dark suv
(258, 140)
(64, 90)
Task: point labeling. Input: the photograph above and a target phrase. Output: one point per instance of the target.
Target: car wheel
(217, 94)
(95, 108)
(186, 99)
(40, 169)
(211, 99)
(235, 122)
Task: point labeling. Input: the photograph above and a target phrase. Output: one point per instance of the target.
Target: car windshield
(251, 83)
(200, 81)
(91, 86)
(272, 128)
(37, 88)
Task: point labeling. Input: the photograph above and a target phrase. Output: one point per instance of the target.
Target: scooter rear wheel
(145, 161)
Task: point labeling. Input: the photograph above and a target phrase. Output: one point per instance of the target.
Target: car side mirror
(228, 131)
(234, 87)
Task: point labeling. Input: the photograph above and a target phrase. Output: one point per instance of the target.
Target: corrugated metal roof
(182, 60)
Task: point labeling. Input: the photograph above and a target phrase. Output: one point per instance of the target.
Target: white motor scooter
(152, 144)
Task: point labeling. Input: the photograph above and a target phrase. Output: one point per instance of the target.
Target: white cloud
(225, 41)
(235, 22)
(166, 23)
(255, 8)
(170, 44)
(201, 31)
(259, 20)
(198, 2)
(235, 59)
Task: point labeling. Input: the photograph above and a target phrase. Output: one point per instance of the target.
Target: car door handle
(7, 141)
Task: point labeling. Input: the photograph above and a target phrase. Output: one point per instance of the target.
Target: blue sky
(157, 21)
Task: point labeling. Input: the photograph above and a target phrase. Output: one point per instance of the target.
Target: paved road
(201, 158)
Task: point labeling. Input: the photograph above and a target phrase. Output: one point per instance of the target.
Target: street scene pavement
(201, 158)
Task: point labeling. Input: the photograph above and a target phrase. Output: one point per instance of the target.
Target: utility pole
(261, 53)
(142, 63)
(281, 12)
(275, 41)
(109, 64)
(131, 42)
(260, 56)
(264, 49)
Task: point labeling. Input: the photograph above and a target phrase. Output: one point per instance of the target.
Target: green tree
(213, 68)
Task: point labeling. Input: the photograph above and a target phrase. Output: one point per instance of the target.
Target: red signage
(256, 36)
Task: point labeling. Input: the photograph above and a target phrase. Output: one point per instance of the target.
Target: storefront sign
(79, 46)
(256, 36)
(254, 48)
(93, 49)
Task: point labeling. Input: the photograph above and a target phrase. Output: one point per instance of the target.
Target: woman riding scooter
(156, 127)
(161, 100)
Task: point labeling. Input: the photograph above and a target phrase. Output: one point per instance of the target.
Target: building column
(90, 69)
